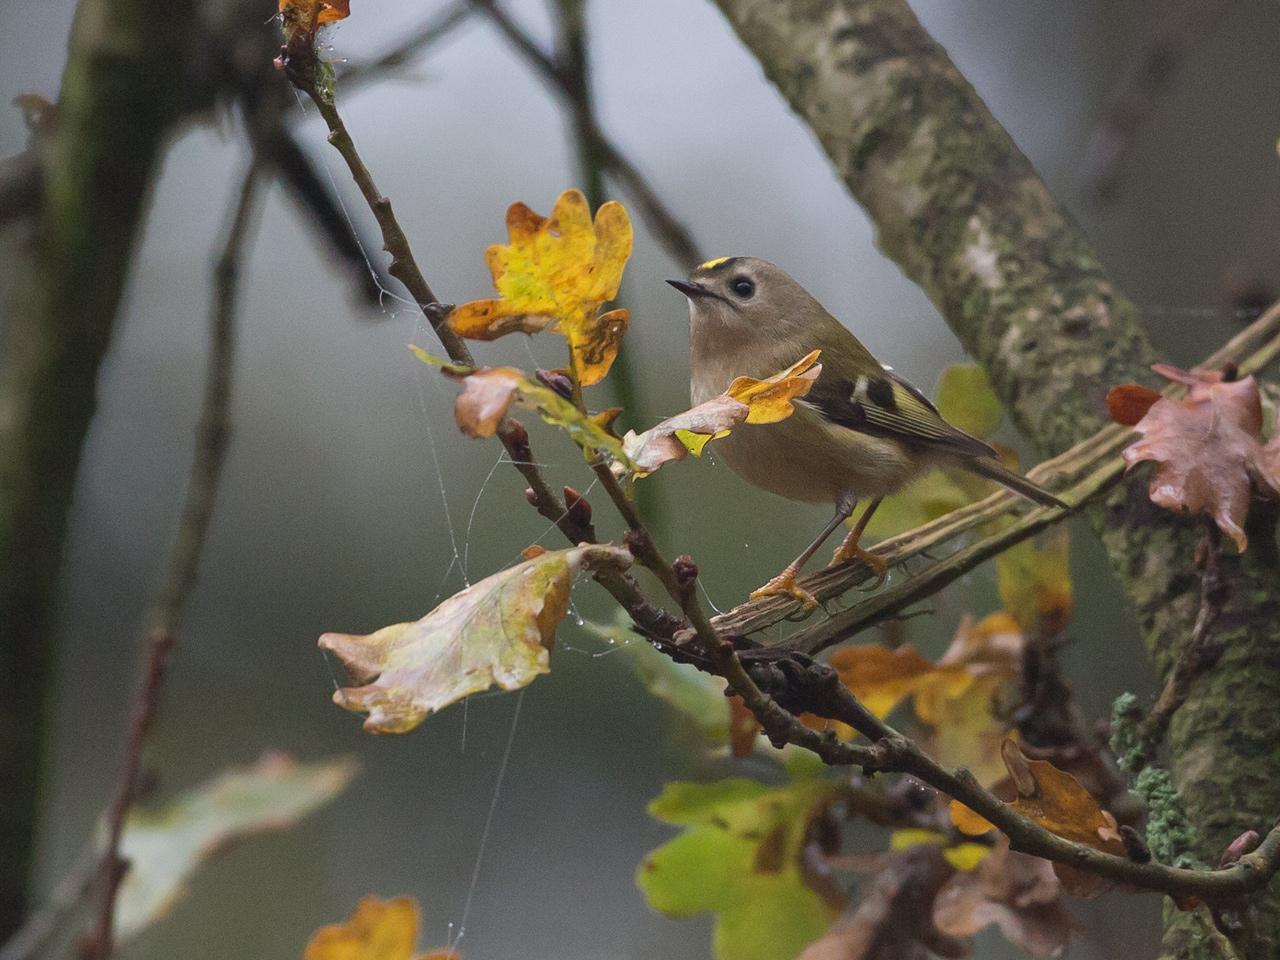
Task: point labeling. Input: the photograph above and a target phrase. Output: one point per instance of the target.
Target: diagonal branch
(412, 45)
(1092, 467)
(298, 60)
(564, 80)
(816, 688)
(184, 558)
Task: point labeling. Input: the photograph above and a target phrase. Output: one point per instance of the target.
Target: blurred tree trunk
(67, 255)
(959, 207)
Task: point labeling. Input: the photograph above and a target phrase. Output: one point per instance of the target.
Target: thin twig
(299, 63)
(1194, 653)
(441, 25)
(184, 558)
(671, 233)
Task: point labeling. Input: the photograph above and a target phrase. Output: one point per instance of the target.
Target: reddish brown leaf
(1129, 402)
(1206, 448)
(743, 728)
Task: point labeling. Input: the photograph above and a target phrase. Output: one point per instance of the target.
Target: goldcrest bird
(861, 433)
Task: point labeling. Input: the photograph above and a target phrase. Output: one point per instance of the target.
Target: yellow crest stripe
(712, 263)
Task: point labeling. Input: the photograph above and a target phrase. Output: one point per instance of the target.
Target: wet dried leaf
(1056, 801)
(307, 16)
(747, 400)
(164, 847)
(1207, 449)
(1018, 894)
(487, 396)
(497, 632)
(554, 275)
(742, 857)
(378, 930)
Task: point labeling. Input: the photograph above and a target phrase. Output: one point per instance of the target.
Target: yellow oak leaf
(555, 274)
(497, 632)
(957, 698)
(378, 930)
(747, 400)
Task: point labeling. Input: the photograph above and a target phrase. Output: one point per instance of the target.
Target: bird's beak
(693, 290)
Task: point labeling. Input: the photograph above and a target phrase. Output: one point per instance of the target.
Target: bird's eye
(743, 287)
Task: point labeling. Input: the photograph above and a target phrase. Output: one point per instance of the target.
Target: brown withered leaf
(1056, 801)
(747, 400)
(1128, 403)
(894, 919)
(1207, 449)
(487, 396)
(307, 16)
(497, 632)
(1019, 894)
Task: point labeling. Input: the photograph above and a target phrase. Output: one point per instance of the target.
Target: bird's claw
(784, 585)
(878, 564)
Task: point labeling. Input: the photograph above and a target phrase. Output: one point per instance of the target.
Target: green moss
(1126, 743)
(1170, 835)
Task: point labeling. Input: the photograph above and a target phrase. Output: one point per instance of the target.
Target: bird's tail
(993, 469)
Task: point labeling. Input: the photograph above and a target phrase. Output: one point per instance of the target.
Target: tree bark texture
(962, 211)
(66, 264)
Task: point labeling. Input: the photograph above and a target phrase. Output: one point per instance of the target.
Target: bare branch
(184, 559)
(816, 688)
(660, 219)
(412, 45)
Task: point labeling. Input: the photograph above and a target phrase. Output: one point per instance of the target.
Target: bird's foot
(784, 585)
(847, 552)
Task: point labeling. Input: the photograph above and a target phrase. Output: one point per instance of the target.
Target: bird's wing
(885, 405)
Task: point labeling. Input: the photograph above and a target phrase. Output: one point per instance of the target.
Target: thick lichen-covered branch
(961, 209)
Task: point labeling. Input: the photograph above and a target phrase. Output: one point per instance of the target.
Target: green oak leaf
(965, 398)
(741, 857)
(165, 846)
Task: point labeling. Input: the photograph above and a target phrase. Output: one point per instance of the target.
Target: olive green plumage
(861, 433)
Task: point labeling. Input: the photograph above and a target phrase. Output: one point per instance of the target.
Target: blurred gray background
(333, 514)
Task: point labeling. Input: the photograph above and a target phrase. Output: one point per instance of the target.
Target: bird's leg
(785, 583)
(849, 550)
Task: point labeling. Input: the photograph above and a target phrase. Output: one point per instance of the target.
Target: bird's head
(744, 297)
